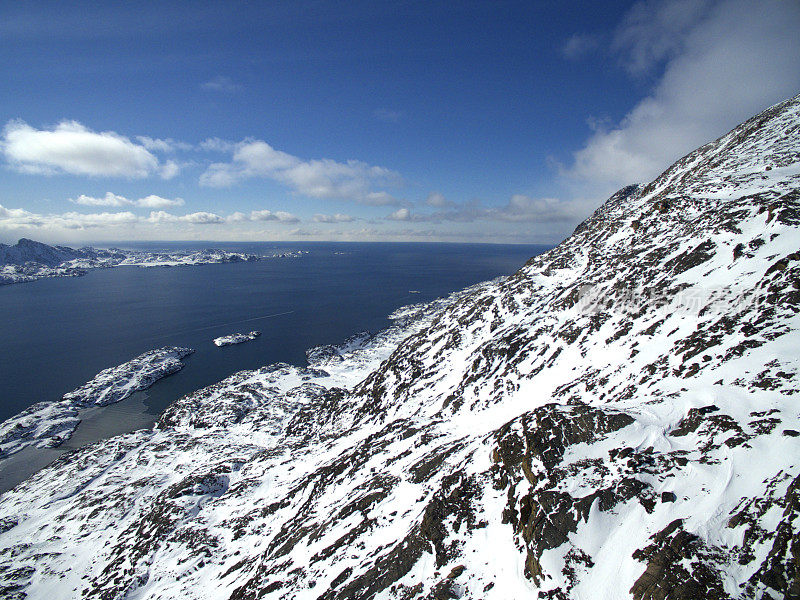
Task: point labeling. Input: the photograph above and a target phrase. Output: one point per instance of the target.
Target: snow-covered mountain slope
(618, 419)
(26, 251)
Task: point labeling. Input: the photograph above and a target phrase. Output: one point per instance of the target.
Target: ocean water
(58, 333)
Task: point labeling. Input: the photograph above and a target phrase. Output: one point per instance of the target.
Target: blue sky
(418, 121)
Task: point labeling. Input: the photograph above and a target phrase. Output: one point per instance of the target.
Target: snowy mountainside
(26, 250)
(618, 419)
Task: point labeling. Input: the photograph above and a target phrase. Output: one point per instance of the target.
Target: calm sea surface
(56, 334)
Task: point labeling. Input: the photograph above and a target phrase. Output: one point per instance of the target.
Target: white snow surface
(236, 338)
(616, 420)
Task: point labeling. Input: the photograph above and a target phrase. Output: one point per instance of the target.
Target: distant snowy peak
(30, 251)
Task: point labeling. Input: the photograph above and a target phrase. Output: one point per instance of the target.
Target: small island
(236, 338)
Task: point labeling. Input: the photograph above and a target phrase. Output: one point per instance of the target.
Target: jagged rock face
(618, 419)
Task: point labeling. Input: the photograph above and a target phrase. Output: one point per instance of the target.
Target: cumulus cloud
(17, 218)
(13, 218)
(73, 220)
(337, 218)
(202, 218)
(221, 83)
(197, 218)
(169, 170)
(108, 200)
(401, 214)
(20, 219)
(151, 201)
(72, 148)
(319, 178)
(268, 215)
(723, 62)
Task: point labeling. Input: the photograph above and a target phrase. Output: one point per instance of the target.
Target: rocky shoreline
(49, 424)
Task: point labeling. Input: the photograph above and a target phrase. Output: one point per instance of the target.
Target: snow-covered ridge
(618, 419)
(49, 424)
(236, 338)
(29, 260)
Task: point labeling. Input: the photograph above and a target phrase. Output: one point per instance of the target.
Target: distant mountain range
(618, 419)
(29, 260)
(30, 251)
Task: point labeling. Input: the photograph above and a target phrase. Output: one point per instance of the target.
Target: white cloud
(72, 148)
(221, 83)
(151, 201)
(13, 218)
(723, 64)
(158, 222)
(337, 218)
(108, 200)
(268, 215)
(73, 220)
(319, 178)
(202, 218)
(17, 218)
(159, 216)
(169, 170)
(163, 145)
(401, 214)
(215, 144)
(197, 218)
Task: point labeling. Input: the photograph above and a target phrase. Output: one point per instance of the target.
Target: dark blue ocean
(58, 333)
